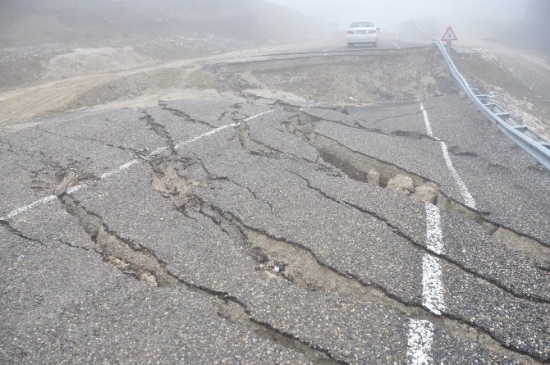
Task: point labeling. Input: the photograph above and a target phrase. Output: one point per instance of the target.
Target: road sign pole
(449, 45)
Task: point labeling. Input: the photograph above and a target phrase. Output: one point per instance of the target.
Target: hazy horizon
(389, 13)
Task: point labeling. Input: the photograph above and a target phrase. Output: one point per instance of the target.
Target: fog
(389, 13)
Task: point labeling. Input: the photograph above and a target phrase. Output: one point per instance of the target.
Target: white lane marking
(468, 198)
(256, 116)
(420, 342)
(74, 189)
(434, 235)
(432, 284)
(222, 128)
(206, 135)
(421, 332)
(396, 45)
(37, 203)
(123, 167)
(426, 120)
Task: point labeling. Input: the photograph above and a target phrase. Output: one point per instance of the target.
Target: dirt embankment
(379, 76)
(517, 81)
(348, 80)
(36, 35)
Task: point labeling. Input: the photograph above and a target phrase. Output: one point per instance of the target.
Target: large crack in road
(295, 221)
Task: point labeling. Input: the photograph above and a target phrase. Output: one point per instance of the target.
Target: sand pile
(95, 61)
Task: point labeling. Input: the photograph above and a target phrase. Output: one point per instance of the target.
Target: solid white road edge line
(468, 198)
(121, 168)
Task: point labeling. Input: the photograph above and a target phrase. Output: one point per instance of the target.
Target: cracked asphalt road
(223, 231)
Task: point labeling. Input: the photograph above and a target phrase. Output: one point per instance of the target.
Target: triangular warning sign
(449, 35)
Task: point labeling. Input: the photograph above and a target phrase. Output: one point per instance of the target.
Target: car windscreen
(361, 24)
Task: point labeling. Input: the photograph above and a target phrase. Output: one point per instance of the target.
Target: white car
(362, 32)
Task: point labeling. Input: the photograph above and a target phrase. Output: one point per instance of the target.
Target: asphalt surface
(217, 231)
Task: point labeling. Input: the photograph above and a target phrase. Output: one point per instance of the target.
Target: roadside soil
(517, 81)
(103, 78)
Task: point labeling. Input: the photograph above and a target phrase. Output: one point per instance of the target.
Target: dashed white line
(214, 131)
(434, 235)
(432, 284)
(221, 129)
(37, 203)
(420, 342)
(426, 120)
(468, 198)
(124, 167)
(121, 168)
(421, 332)
(396, 45)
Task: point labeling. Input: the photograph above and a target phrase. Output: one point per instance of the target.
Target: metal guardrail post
(540, 151)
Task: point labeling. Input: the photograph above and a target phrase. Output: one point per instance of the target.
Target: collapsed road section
(262, 227)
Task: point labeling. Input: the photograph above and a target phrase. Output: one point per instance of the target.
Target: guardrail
(528, 140)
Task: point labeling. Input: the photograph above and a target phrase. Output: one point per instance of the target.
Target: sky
(389, 13)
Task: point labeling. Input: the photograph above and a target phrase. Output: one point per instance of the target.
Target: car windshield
(361, 24)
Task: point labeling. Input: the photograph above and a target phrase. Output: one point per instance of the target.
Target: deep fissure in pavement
(141, 263)
(161, 131)
(252, 146)
(289, 258)
(366, 169)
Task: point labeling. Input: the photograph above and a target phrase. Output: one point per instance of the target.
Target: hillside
(44, 40)
(87, 22)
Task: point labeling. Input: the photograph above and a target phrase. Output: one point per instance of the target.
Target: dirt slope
(36, 36)
(85, 22)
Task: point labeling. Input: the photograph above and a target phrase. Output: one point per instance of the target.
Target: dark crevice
(422, 247)
(10, 148)
(187, 117)
(395, 116)
(351, 284)
(161, 131)
(340, 156)
(254, 195)
(67, 243)
(449, 260)
(255, 147)
(142, 264)
(321, 192)
(210, 175)
(287, 107)
(74, 138)
(443, 201)
(357, 125)
(18, 233)
(408, 309)
(214, 220)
